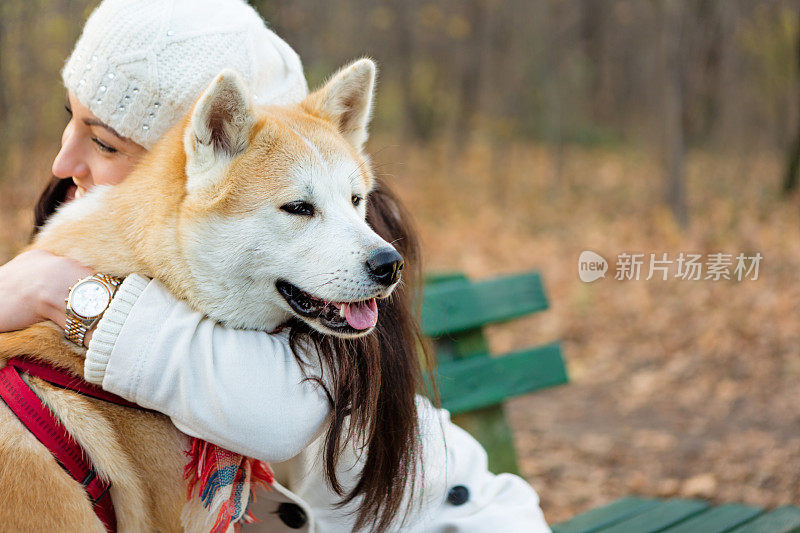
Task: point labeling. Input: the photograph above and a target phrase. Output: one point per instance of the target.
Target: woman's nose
(70, 161)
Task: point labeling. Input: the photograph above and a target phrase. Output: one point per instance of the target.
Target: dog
(252, 215)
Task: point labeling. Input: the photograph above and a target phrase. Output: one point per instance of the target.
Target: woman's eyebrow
(95, 122)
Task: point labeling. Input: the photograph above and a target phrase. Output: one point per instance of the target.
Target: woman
(134, 73)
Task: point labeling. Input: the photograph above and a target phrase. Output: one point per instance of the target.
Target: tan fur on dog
(143, 225)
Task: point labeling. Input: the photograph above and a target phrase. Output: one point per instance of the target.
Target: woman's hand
(33, 287)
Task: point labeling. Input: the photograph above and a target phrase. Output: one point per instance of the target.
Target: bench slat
(718, 520)
(597, 519)
(476, 382)
(781, 520)
(454, 305)
(659, 517)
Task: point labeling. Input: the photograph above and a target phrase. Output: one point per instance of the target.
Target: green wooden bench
(473, 385)
(472, 382)
(648, 515)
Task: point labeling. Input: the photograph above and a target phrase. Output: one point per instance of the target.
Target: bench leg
(489, 427)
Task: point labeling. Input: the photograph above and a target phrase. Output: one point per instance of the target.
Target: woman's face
(92, 153)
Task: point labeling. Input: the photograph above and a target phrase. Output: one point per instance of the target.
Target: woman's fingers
(33, 287)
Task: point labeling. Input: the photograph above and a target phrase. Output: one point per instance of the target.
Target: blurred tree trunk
(674, 81)
(792, 166)
(419, 121)
(404, 31)
(474, 52)
(29, 68)
(790, 180)
(3, 98)
(593, 15)
(551, 79)
(713, 44)
(722, 115)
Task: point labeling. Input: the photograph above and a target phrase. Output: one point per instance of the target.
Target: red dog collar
(44, 425)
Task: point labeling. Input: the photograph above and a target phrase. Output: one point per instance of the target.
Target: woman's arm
(242, 390)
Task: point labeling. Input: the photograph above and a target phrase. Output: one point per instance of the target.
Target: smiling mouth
(77, 191)
(346, 318)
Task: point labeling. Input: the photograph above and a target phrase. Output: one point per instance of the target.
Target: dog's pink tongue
(361, 315)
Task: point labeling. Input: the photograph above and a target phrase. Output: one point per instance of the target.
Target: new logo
(591, 266)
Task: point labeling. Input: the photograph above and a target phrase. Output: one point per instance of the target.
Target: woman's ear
(346, 100)
(219, 129)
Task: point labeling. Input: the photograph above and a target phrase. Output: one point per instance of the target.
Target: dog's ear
(219, 129)
(346, 100)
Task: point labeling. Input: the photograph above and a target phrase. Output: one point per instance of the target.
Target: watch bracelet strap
(75, 329)
(111, 280)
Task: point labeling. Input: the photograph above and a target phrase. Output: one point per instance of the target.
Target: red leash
(44, 425)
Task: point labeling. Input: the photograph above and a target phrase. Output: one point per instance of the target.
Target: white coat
(243, 390)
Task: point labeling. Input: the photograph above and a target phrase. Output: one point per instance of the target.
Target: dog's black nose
(384, 265)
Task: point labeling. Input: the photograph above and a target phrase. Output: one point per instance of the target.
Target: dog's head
(273, 224)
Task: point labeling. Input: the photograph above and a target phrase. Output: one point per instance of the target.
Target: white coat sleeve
(242, 390)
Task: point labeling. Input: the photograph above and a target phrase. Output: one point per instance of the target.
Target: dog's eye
(356, 199)
(299, 208)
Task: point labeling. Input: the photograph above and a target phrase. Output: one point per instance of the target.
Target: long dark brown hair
(53, 195)
(373, 381)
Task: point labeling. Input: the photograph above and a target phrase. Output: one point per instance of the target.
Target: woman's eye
(103, 146)
(356, 199)
(299, 208)
(69, 110)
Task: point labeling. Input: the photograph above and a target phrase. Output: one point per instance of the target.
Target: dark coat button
(292, 515)
(458, 495)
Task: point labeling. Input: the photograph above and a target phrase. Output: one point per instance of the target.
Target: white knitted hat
(140, 64)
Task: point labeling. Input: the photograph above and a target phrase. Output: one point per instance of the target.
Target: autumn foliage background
(520, 134)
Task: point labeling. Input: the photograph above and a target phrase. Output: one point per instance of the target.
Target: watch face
(89, 298)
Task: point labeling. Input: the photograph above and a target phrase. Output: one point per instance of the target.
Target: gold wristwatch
(87, 301)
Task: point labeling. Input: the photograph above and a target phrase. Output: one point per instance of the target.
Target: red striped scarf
(224, 483)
